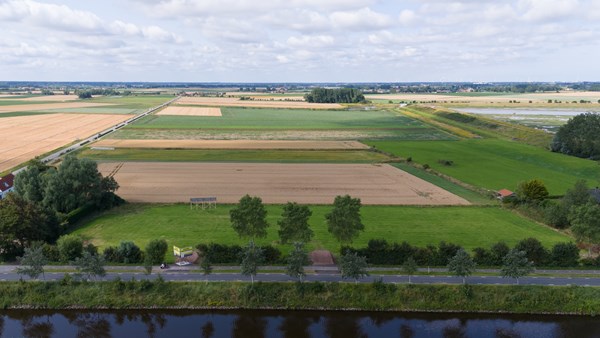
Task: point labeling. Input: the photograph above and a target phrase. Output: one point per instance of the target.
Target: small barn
(6, 185)
(504, 193)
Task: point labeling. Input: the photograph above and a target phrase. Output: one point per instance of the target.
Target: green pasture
(15, 102)
(251, 118)
(496, 164)
(468, 226)
(98, 110)
(203, 155)
(142, 102)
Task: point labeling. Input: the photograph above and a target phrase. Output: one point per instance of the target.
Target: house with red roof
(6, 185)
(504, 193)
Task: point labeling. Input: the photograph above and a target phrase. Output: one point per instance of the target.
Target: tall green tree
(516, 265)
(344, 221)
(293, 225)
(249, 218)
(353, 266)
(29, 184)
(585, 222)
(90, 266)
(532, 191)
(410, 267)
(32, 262)
(206, 266)
(462, 265)
(156, 251)
(579, 137)
(296, 261)
(252, 257)
(23, 222)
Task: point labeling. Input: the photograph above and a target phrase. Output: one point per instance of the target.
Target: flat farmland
(163, 182)
(248, 123)
(55, 98)
(236, 102)
(496, 164)
(47, 106)
(25, 137)
(232, 144)
(190, 111)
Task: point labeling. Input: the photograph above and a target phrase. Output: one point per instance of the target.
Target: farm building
(504, 193)
(595, 194)
(6, 185)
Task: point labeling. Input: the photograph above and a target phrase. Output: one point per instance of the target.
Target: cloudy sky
(300, 40)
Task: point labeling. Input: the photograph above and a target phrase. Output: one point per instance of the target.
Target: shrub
(156, 250)
(129, 253)
(70, 247)
(564, 254)
(231, 254)
(51, 252)
(111, 255)
(534, 250)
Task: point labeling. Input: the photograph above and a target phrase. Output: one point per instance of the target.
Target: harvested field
(48, 106)
(25, 137)
(54, 98)
(236, 102)
(159, 182)
(231, 144)
(190, 111)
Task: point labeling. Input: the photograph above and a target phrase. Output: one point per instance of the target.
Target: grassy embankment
(417, 225)
(328, 296)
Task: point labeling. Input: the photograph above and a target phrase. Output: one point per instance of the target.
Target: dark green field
(468, 226)
(496, 164)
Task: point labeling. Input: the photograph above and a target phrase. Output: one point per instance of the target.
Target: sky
(300, 40)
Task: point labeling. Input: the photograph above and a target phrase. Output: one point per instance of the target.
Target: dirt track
(25, 137)
(230, 144)
(158, 182)
(235, 102)
(49, 106)
(190, 111)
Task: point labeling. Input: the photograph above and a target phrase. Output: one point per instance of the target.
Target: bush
(51, 252)
(445, 252)
(534, 250)
(111, 255)
(70, 247)
(564, 255)
(483, 257)
(156, 251)
(231, 254)
(498, 252)
(129, 253)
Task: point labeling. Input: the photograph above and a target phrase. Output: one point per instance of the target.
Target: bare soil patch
(236, 102)
(190, 111)
(159, 182)
(25, 137)
(48, 106)
(231, 144)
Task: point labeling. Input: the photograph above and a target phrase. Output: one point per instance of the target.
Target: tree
(156, 251)
(462, 265)
(516, 265)
(579, 137)
(410, 267)
(248, 219)
(558, 214)
(70, 247)
(23, 222)
(206, 266)
(585, 222)
(91, 266)
(339, 95)
(252, 257)
(130, 253)
(29, 184)
(564, 255)
(296, 261)
(499, 251)
(293, 225)
(534, 250)
(32, 262)
(344, 221)
(353, 266)
(532, 191)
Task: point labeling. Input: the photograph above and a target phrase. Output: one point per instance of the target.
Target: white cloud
(545, 10)
(362, 19)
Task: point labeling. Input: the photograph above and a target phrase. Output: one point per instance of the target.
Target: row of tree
(339, 95)
(249, 220)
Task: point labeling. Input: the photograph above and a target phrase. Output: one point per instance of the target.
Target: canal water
(289, 324)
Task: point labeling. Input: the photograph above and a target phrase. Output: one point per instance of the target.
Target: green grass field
(99, 110)
(468, 226)
(132, 102)
(496, 164)
(200, 155)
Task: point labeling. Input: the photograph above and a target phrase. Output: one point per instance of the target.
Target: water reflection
(288, 324)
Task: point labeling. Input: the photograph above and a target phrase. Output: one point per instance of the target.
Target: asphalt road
(279, 277)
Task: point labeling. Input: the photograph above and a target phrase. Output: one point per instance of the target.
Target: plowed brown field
(190, 111)
(235, 102)
(231, 144)
(48, 106)
(159, 182)
(25, 137)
